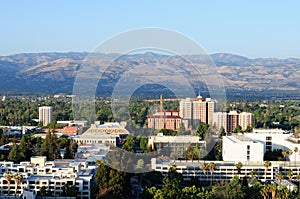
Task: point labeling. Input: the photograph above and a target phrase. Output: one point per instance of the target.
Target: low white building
(276, 139)
(53, 175)
(224, 170)
(242, 148)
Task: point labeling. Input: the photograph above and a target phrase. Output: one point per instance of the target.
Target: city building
(110, 133)
(167, 119)
(195, 111)
(174, 146)
(242, 148)
(224, 170)
(53, 175)
(231, 120)
(276, 139)
(45, 115)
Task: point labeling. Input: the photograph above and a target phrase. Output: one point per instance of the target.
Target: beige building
(195, 111)
(233, 119)
(45, 115)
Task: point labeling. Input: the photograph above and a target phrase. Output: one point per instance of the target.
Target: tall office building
(45, 115)
(195, 111)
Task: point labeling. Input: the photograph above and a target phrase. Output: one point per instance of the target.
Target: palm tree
(267, 164)
(264, 192)
(204, 167)
(295, 150)
(280, 177)
(284, 153)
(239, 166)
(18, 179)
(211, 167)
(253, 173)
(8, 176)
(273, 189)
(290, 174)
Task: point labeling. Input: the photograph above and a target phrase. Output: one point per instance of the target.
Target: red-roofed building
(69, 130)
(168, 119)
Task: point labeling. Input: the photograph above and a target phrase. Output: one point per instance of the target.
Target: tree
(238, 129)
(211, 167)
(280, 177)
(284, 153)
(267, 164)
(228, 190)
(14, 154)
(202, 130)
(295, 150)
(222, 132)
(204, 167)
(181, 130)
(50, 147)
(273, 189)
(239, 166)
(129, 144)
(8, 176)
(23, 149)
(290, 174)
(18, 179)
(264, 192)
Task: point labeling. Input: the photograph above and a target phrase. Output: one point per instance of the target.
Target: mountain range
(50, 73)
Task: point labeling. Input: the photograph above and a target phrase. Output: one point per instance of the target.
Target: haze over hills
(55, 72)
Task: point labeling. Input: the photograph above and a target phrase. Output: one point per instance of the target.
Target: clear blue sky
(250, 28)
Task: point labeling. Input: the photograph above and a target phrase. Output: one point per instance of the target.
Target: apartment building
(45, 115)
(196, 110)
(231, 120)
(53, 175)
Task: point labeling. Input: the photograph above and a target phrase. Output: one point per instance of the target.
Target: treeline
(29, 146)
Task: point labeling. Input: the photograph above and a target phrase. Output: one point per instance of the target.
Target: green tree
(202, 130)
(239, 166)
(50, 147)
(228, 190)
(280, 177)
(23, 149)
(129, 144)
(14, 153)
(295, 151)
(211, 167)
(222, 132)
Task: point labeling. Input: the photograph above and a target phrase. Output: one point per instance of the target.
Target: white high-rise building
(45, 115)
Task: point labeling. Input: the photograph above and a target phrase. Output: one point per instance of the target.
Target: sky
(248, 28)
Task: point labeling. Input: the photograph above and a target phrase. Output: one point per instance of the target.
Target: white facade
(53, 175)
(275, 139)
(224, 170)
(241, 148)
(45, 115)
